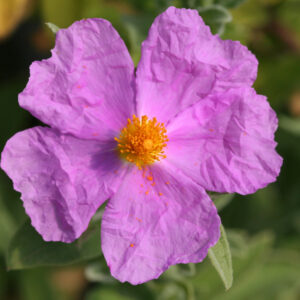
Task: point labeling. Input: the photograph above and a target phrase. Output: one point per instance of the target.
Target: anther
(142, 141)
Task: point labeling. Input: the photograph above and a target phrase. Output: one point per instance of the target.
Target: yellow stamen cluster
(142, 141)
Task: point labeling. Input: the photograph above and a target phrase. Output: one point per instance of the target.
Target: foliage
(220, 257)
(27, 248)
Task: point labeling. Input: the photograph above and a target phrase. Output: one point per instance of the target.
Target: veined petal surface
(87, 86)
(226, 142)
(63, 180)
(182, 62)
(156, 220)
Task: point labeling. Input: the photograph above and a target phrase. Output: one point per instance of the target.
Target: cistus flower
(151, 142)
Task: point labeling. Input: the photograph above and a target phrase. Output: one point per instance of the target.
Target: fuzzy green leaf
(27, 248)
(220, 257)
(53, 27)
(216, 16)
(289, 124)
(220, 200)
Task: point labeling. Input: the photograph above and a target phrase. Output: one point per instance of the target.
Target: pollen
(142, 141)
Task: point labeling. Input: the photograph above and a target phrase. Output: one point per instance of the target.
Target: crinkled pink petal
(148, 227)
(63, 180)
(226, 142)
(182, 62)
(86, 87)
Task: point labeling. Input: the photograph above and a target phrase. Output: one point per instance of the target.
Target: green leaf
(27, 249)
(7, 224)
(137, 29)
(220, 200)
(97, 271)
(52, 27)
(216, 16)
(223, 200)
(290, 124)
(261, 272)
(220, 257)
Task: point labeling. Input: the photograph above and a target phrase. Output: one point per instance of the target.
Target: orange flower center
(142, 141)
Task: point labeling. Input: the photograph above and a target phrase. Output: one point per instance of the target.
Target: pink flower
(151, 143)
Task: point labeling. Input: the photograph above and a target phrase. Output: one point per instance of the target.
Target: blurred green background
(263, 228)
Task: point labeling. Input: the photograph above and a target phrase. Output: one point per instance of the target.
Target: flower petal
(182, 62)
(63, 180)
(226, 142)
(85, 88)
(148, 227)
